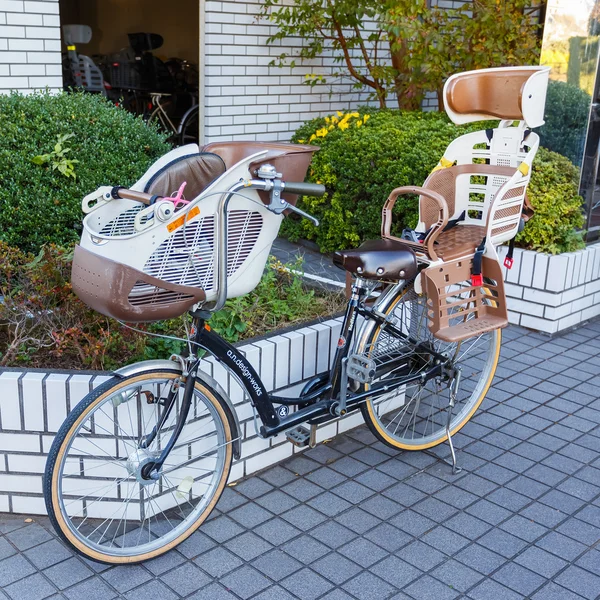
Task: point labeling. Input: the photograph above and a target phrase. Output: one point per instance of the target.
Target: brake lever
(288, 206)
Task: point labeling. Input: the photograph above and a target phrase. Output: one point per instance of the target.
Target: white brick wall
(553, 293)
(247, 99)
(34, 405)
(30, 56)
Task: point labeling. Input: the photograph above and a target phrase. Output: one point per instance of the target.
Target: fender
(152, 365)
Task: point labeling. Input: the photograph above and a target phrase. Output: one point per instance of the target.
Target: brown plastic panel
(106, 286)
(457, 310)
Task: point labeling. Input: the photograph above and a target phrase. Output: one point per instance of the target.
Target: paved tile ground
(353, 519)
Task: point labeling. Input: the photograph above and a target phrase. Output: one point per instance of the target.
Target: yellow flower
(340, 113)
(327, 120)
(366, 118)
(355, 115)
(331, 127)
(343, 125)
(334, 119)
(301, 141)
(322, 132)
(359, 123)
(312, 137)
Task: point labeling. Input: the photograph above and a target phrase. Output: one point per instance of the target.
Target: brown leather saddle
(379, 259)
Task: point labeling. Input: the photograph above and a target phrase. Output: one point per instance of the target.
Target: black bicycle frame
(317, 404)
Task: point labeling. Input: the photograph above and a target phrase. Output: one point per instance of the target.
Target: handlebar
(304, 189)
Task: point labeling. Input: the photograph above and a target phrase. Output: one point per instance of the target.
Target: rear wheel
(413, 417)
(190, 127)
(96, 494)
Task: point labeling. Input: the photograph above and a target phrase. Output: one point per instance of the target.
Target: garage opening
(142, 54)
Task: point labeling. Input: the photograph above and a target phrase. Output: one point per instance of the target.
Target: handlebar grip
(133, 195)
(304, 189)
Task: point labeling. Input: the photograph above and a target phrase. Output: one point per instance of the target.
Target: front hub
(137, 463)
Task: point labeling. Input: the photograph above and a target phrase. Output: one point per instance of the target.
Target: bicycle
(142, 460)
(181, 129)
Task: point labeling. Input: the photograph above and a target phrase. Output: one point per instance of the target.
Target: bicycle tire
(52, 484)
(465, 408)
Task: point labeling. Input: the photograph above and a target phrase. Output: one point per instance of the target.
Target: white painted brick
(33, 405)
(28, 505)
(13, 58)
(11, 6)
(12, 31)
(19, 442)
(583, 303)
(539, 324)
(323, 346)
(56, 400)
(51, 21)
(4, 70)
(43, 33)
(282, 361)
(267, 362)
(310, 352)
(574, 293)
(21, 483)
(570, 279)
(327, 432)
(591, 312)
(24, 19)
(44, 57)
(28, 70)
(513, 290)
(592, 287)
(547, 298)
(268, 458)
(52, 45)
(528, 308)
(254, 446)
(42, 7)
(512, 275)
(557, 272)
(26, 45)
(10, 411)
(237, 471)
(555, 313)
(296, 355)
(589, 275)
(4, 505)
(540, 271)
(26, 463)
(350, 422)
(514, 318)
(79, 386)
(527, 260)
(44, 82)
(569, 321)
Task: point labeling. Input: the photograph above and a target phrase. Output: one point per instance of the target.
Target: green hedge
(567, 111)
(362, 160)
(38, 203)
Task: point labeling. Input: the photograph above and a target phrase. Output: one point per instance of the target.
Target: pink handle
(178, 199)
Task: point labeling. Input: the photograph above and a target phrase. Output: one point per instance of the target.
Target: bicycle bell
(267, 171)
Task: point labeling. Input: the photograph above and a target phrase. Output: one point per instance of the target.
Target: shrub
(43, 323)
(567, 111)
(361, 163)
(553, 193)
(366, 154)
(56, 149)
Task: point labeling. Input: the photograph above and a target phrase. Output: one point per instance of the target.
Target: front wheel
(414, 416)
(97, 496)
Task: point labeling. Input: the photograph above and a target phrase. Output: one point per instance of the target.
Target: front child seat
(198, 170)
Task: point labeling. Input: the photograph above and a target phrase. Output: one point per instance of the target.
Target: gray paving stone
(445, 540)
(276, 564)
(306, 584)
(277, 476)
(329, 504)
(249, 545)
(581, 582)
(245, 582)
(304, 517)
(412, 523)
(34, 587)
(301, 465)
(277, 502)
(562, 546)
(541, 562)
(457, 575)
(367, 586)
(14, 568)
(397, 469)
(421, 555)
(91, 589)
(404, 494)
(126, 578)
(388, 537)
(590, 561)
(196, 544)
(218, 561)
(542, 514)
(479, 558)
(581, 531)
(164, 563)
(274, 593)
(521, 580)
(491, 590)
(375, 480)
(153, 590)
(333, 534)
(325, 478)
(276, 531)
(467, 525)
(362, 552)
(381, 507)
(253, 487)
(221, 529)
(395, 571)
(214, 591)
(489, 512)
(552, 591)
(523, 528)
(353, 492)
(68, 573)
(428, 588)
(305, 549)
(250, 515)
(9, 522)
(335, 568)
(185, 579)
(28, 536)
(456, 497)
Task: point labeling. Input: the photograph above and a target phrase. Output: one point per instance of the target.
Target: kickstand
(453, 391)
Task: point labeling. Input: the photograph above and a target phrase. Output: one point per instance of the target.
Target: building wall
(245, 98)
(30, 56)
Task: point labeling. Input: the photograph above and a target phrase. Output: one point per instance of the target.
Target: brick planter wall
(553, 293)
(35, 403)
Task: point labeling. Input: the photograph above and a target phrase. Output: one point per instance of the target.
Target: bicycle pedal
(360, 368)
(300, 436)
